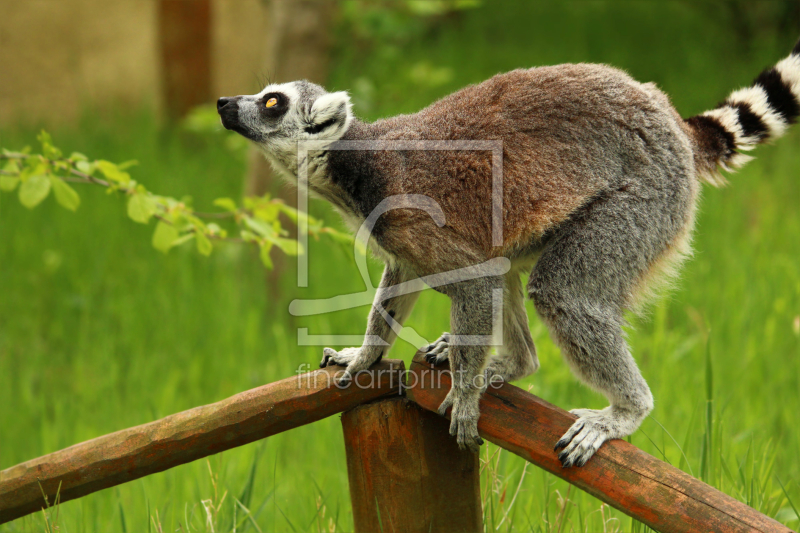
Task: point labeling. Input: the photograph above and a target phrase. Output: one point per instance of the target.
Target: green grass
(99, 332)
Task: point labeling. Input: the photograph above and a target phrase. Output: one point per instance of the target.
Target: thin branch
(83, 177)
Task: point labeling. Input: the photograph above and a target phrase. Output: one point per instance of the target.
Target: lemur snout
(224, 101)
(228, 109)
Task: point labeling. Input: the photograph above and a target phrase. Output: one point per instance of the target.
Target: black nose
(222, 102)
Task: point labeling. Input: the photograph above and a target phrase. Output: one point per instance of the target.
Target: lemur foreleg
(471, 320)
(386, 317)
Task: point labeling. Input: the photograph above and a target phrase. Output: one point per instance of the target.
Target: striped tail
(750, 116)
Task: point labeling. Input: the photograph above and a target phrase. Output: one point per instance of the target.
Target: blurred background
(100, 332)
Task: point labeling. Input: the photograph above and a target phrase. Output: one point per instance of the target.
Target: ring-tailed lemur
(600, 181)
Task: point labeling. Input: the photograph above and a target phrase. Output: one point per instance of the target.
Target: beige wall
(59, 56)
(239, 56)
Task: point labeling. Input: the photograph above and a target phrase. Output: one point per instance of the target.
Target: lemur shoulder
(600, 180)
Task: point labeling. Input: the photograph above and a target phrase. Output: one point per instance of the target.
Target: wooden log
(621, 475)
(180, 438)
(407, 474)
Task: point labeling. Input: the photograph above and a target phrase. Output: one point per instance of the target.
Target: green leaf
(77, 156)
(260, 227)
(338, 236)
(44, 138)
(141, 207)
(296, 215)
(288, 246)
(204, 245)
(127, 164)
(32, 167)
(85, 167)
(65, 195)
(11, 166)
(8, 183)
(48, 149)
(264, 255)
(227, 204)
(34, 190)
(182, 239)
(267, 212)
(164, 237)
(248, 236)
(113, 172)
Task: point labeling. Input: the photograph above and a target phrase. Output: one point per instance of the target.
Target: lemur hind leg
(471, 320)
(582, 284)
(516, 356)
(386, 316)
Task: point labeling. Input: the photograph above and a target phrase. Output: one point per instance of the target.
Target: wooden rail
(399, 458)
(623, 476)
(184, 437)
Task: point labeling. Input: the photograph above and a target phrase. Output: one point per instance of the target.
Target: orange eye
(272, 101)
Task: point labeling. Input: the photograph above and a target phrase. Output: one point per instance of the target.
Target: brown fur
(541, 115)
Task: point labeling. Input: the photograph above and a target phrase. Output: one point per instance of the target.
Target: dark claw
(582, 461)
(479, 441)
(561, 444)
(324, 362)
(566, 461)
(427, 348)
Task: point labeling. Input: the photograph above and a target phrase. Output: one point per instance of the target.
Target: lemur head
(282, 114)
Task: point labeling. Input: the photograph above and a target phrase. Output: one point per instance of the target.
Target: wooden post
(183, 437)
(406, 472)
(623, 476)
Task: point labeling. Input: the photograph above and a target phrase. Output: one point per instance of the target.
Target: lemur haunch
(600, 183)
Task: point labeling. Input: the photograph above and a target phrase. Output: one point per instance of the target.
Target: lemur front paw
(591, 430)
(436, 353)
(355, 359)
(463, 418)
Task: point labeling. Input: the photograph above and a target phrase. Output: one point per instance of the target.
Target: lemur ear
(329, 116)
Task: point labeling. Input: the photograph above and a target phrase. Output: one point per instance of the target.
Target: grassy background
(99, 332)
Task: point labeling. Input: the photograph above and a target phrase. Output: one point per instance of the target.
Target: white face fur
(282, 114)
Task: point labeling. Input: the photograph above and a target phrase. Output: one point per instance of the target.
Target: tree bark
(184, 29)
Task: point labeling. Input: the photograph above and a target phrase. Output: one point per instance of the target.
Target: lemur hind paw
(591, 430)
(437, 352)
(463, 419)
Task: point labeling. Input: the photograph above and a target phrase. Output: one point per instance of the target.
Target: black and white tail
(750, 116)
